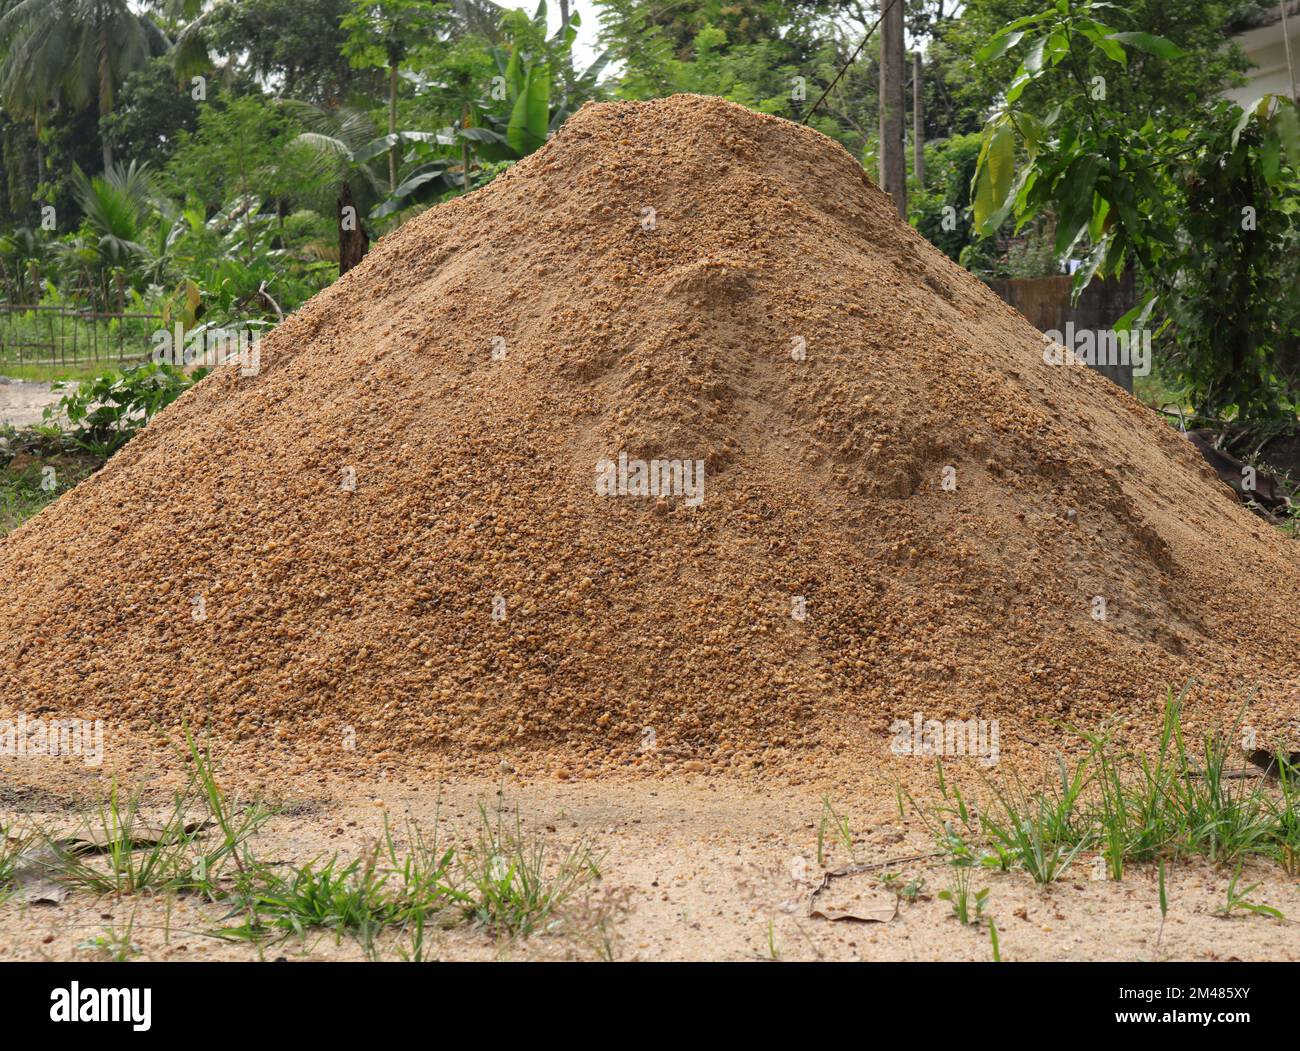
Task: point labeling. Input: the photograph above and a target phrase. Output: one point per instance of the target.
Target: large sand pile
(650, 275)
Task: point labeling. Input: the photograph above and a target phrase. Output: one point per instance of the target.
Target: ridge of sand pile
(373, 610)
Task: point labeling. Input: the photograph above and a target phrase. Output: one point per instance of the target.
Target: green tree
(380, 34)
(150, 115)
(18, 143)
(239, 149)
(1144, 84)
(73, 51)
(1208, 208)
(775, 57)
(298, 45)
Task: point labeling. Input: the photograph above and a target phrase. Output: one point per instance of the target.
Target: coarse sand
(389, 543)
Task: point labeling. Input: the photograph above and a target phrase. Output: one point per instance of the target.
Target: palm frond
(114, 203)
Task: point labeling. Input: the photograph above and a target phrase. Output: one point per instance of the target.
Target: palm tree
(337, 137)
(22, 254)
(71, 51)
(117, 205)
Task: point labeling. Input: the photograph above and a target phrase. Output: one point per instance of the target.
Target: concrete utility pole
(1290, 63)
(918, 120)
(893, 106)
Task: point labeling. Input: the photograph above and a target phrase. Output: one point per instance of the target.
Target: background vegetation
(186, 158)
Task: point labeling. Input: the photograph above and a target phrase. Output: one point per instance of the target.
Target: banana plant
(421, 174)
(524, 84)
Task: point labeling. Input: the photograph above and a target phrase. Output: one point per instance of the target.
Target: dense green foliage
(1207, 209)
(105, 411)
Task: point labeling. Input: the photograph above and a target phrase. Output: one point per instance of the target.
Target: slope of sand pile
(650, 277)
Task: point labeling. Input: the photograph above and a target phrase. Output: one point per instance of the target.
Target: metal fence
(62, 336)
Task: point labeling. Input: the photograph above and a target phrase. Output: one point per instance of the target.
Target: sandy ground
(700, 867)
(23, 402)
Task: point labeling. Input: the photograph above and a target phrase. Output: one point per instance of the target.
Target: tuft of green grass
(505, 881)
(967, 906)
(1037, 830)
(382, 888)
(1237, 899)
(122, 853)
(1177, 804)
(1128, 807)
(512, 888)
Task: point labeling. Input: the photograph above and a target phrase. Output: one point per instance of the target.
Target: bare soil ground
(694, 868)
(22, 403)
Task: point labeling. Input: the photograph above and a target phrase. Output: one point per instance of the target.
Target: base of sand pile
(694, 867)
(417, 535)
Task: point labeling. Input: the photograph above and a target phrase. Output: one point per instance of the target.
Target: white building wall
(1266, 48)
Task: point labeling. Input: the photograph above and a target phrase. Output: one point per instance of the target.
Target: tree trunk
(105, 78)
(918, 120)
(568, 54)
(392, 126)
(893, 163)
(464, 149)
(353, 239)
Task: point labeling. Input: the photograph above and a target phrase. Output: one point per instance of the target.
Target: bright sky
(584, 48)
